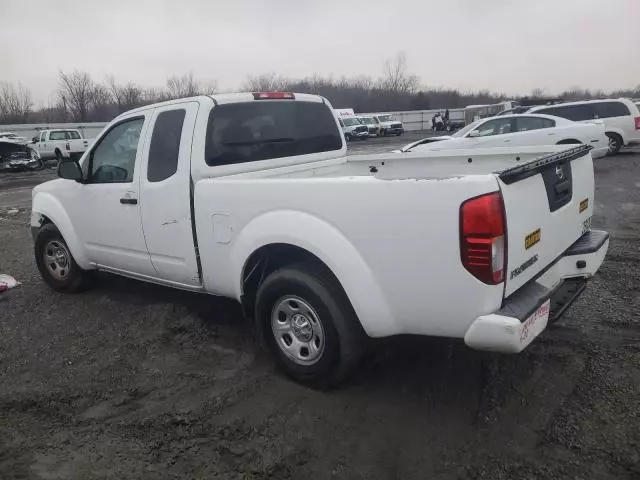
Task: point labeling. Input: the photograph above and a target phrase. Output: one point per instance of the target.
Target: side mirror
(474, 133)
(34, 140)
(70, 170)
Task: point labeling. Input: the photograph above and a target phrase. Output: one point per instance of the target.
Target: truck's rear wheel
(56, 264)
(309, 325)
(59, 156)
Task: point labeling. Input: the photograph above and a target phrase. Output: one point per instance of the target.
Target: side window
(575, 113)
(611, 109)
(43, 136)
(113, 159)
(73, 135)
(525, 124)
(498, 126)
(165, 145)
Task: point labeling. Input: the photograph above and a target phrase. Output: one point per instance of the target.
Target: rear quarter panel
(393, 244)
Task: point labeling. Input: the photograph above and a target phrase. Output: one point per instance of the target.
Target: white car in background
(519, 131)
(620, 116)
(13, 138)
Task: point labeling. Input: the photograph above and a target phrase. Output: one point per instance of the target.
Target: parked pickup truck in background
(60, 144)
(387, 125)
(252, 197)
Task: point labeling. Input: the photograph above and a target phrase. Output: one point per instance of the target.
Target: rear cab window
(73, 135)
(267, 129)
(57, 136)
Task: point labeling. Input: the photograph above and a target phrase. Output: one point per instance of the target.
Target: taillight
(483, 246)
(637, 119)
(67, 146)
(273, 96)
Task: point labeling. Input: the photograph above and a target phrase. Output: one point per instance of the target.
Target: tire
(39, 166)
(303, 307)
(60, 271)
(59, 156)
(347, 137)
(615, 143)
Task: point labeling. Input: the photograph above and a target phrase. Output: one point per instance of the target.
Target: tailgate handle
(562, 187)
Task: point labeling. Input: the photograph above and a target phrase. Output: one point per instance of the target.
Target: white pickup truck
(252, 196)
(59, 144)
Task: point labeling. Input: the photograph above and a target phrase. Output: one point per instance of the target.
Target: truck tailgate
(548, 206)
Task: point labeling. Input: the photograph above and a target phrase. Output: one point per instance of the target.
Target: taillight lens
(67, 146)
(637, 120)
(483, 244)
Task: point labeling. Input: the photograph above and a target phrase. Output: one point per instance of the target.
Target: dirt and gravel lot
(133, 381)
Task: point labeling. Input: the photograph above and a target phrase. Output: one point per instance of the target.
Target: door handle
(129, 201)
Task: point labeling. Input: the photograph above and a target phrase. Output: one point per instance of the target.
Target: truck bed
(412, 165)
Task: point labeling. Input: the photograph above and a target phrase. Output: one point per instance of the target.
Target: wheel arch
(47, 209)
(288, 237)
(617, 131)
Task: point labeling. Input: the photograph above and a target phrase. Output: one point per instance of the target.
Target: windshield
(350, 121)
(385, 118)
(462, 132)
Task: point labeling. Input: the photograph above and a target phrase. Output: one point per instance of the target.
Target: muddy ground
(133, 381)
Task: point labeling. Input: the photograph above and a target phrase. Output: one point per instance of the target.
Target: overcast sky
(510, 46)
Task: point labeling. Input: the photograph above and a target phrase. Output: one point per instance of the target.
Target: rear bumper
(526, 313)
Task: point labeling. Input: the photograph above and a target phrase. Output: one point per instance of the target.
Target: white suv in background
(621, 118)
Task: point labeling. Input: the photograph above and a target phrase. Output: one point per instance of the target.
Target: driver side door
(106, 210)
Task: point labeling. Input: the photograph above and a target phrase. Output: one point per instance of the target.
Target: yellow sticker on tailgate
(584, 204)
(531, 239)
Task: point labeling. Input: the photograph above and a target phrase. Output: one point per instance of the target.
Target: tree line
(80, 98)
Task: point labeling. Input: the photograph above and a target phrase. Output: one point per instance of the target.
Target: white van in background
(621, 118)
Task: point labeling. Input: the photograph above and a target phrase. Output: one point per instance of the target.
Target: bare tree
(125, 96)
(396, 78)
(182, 86)
(76, 91)
(102, 106)
(267, 82)
(15, 102)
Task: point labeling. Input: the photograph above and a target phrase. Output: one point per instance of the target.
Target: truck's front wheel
(309, 325)
(55, 262)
